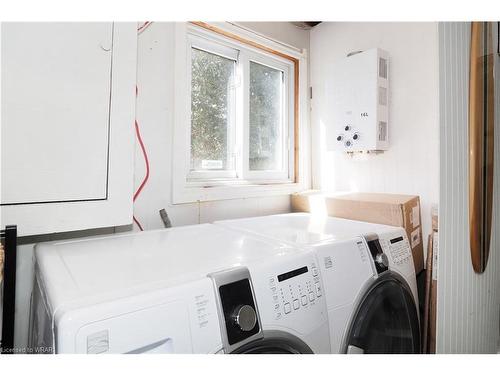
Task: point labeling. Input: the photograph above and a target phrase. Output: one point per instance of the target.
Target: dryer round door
(275, 342)
(386, 320)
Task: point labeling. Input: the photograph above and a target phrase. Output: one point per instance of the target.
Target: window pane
(212, 96)
(266, 117)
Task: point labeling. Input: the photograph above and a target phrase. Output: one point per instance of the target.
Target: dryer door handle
(353, 349)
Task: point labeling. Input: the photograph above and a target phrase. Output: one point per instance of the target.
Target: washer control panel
(399, 250)
(237, 309)
(295, 290)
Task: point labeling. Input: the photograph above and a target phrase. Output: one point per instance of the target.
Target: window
(239, 99)
(212, 114)
(249, 141)
(266, 117)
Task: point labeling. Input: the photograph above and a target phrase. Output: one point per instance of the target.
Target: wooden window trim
(295, 62)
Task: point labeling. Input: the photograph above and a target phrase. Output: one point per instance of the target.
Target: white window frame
(192, 186)
(286, 173)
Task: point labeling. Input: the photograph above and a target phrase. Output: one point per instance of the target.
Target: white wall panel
(468, 303)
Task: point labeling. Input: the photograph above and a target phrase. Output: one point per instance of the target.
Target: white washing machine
(368, 274)
(193, 289)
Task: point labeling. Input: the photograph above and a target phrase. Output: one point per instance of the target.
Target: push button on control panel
(318, 290)
(311, 296)
(296, 304)
(303, 300)
(287, 308)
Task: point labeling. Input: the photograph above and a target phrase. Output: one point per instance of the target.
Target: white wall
(284, 32)
(411, 165)
(155, 79)
(154, 112)
(467, 303)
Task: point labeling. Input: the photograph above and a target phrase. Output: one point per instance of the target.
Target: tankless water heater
(359, 97)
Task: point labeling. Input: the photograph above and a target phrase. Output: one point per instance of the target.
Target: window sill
(217, 190)
(232, 182)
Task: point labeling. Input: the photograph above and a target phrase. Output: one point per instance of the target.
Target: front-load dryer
(160, 292)
(367, 270)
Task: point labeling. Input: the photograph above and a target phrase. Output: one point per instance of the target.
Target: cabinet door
(67, 101)
(55, 99)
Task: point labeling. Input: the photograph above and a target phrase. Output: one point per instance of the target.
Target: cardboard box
(433, 299)
(429, 314)
(432, 319)
(389, 209)
(427, 298)
(434, 216)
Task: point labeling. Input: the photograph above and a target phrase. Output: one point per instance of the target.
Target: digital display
(290, 274)
(394, 240)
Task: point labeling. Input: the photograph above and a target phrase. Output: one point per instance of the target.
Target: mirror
(481, 142)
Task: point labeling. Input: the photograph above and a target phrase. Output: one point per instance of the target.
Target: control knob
(382, 260)
(245, 317)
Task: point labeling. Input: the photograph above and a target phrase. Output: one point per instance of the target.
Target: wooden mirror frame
(481, 142)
